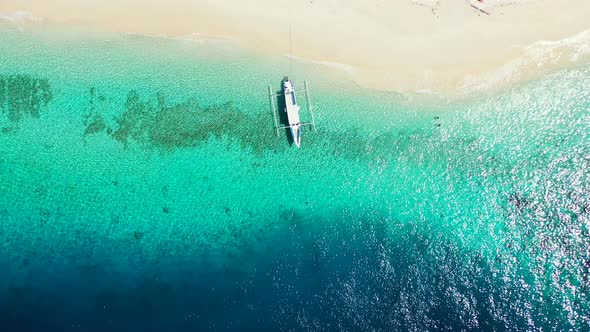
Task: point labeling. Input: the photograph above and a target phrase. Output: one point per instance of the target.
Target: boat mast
(290, 48)
(290, 11)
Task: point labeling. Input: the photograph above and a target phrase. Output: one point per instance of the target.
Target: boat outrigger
(292, 110)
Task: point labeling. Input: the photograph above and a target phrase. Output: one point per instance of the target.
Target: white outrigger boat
(291, 109)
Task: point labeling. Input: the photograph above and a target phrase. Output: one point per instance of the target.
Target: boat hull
(296, 134)
(292, 110)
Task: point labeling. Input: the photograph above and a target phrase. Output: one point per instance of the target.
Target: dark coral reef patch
(181, 125)
(23, 96)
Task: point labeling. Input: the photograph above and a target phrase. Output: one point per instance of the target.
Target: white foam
(201, 38)
(350, 69)
(19, 17)
(425, 92)
(196, 38)
(539, 55)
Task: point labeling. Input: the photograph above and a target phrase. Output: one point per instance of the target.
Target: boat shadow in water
(283, 120)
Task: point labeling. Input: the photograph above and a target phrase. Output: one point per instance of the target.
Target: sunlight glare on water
(146, 183)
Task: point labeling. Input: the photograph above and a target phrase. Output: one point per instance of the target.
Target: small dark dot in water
(115, 219)
(161, 100)
(227, 210)
(45, 213)
(438, 124)
(40, 190)
(138, 235)
(437, 117)
(306, 203)
(25, 262)
(115, 183)
(165, 209)
(517, 200)
(165, 189)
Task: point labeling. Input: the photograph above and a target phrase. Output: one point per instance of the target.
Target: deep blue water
(141, 192)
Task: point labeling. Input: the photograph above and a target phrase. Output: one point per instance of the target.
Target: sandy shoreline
(422, 45)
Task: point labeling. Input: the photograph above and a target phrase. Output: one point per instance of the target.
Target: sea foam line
(350, 69)
(536, 56)
(19, 17)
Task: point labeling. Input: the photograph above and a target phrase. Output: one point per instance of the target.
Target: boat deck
(292, 108)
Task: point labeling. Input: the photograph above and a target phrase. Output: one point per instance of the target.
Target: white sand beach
(442, 46)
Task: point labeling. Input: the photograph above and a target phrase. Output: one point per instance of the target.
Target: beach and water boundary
(146, 178)
(443, 47)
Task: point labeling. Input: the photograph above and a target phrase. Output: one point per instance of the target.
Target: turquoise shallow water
(143, 188)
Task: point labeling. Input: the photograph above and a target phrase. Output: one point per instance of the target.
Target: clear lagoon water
(142, 188)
